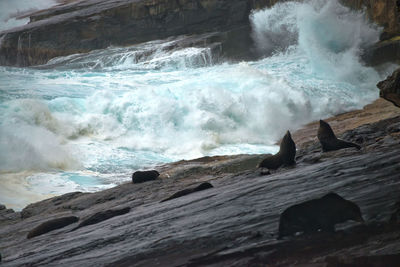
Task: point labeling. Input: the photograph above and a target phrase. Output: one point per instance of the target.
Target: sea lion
(318, 214)
(285, 156)
(144, 176)
(52, 225)
(328, 140)
(202, 186)
(102, 216)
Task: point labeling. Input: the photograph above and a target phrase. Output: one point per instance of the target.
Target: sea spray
(330, 35)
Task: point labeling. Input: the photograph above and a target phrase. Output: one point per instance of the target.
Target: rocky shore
(235, 222)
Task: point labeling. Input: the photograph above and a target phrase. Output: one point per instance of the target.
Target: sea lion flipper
(328, 140)
(345, 144)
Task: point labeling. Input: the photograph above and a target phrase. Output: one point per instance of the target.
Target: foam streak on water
(85, 122)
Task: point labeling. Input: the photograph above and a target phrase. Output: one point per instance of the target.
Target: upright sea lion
(285, 156)
(202, 186)
(318, 214)
(328, 140)
(144, 176)
(102, 216)
(52, 225)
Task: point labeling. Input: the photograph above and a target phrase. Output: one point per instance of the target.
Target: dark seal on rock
(144, 176)
(285, 156)
(102, 216)
(318, 214)
(52, 225)
(188, 191)
(328, 140)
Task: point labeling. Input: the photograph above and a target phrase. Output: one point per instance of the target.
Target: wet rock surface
(235, 223)
(390, 88)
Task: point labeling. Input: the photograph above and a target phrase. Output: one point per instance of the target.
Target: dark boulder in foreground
(202, 186)
(51, 225)
(318, 214)
(144, 176)
(390, 88)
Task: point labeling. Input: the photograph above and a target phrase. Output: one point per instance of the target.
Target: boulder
(144, 176)
(390, 88)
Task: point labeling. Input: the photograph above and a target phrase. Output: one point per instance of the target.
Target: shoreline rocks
(390, 88)
(242, 209)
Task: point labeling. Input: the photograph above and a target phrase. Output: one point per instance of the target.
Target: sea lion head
(287, 149)
(352, 212)
(325, 131)
(204, 186)
(348, 209)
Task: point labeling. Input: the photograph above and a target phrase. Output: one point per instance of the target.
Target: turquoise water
(86, 122)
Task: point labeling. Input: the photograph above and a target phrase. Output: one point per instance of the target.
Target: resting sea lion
(52, 225)
(188, 191)
(328, 140)
(285, 156)
(102, 216)
(144, 176)
(318, 214)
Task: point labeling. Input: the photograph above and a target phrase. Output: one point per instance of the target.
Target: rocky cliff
(83, 26)
(93, 24)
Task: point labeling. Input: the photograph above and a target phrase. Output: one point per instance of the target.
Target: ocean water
(86, 122)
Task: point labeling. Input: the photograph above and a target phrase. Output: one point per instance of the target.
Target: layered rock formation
(83, 26)
(93, 24)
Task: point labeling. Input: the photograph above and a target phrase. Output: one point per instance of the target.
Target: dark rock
(102, 216)
(144, 176)
(394, 128)
(188, 191)
(390, 88)
(318, 214)
(2, 207)
(51, 225)
(396, 214)
(382, 52)
(370, 261)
